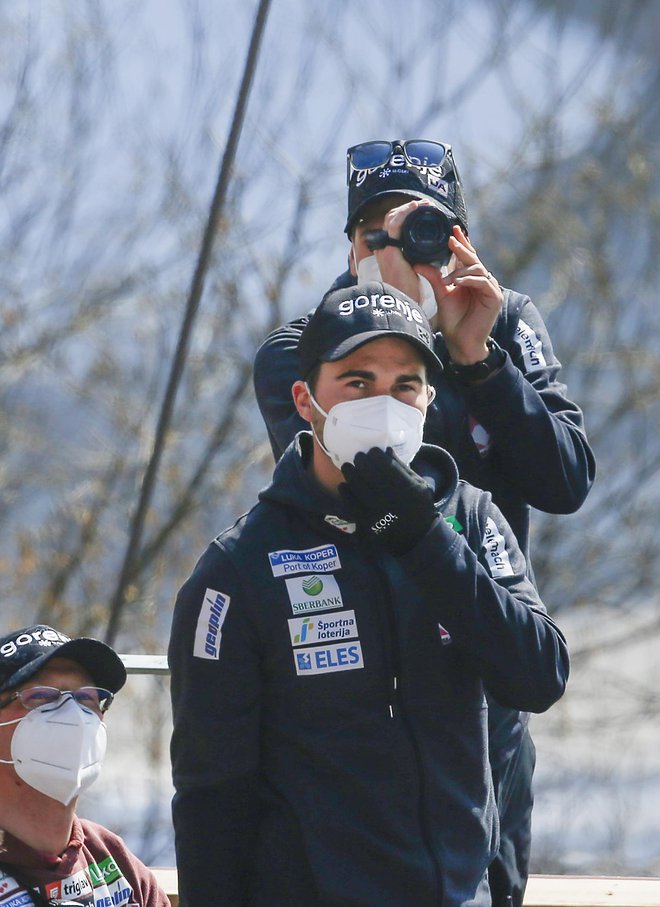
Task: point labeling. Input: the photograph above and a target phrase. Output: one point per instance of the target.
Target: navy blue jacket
(516, 435)
(330, 742)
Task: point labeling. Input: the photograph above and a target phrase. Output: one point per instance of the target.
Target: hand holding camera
(469, 300)
(425, 235)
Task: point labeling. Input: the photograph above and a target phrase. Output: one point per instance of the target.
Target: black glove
(391, 503)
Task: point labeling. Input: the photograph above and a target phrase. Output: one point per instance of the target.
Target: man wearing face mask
(330, 652)
(501, 410)
(54, 692)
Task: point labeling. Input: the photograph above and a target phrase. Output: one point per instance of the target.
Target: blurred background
(114, 119)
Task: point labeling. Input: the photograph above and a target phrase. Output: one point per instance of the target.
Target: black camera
(424, 239)
(425, 236)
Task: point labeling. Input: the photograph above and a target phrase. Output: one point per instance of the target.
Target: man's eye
(38, 697)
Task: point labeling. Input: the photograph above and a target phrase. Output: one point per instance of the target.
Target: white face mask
(355, 426)
(58, 750)
(368, 270)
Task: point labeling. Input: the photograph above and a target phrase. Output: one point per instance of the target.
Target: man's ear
(301, 398)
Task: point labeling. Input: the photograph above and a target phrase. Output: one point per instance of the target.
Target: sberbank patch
(315, 592)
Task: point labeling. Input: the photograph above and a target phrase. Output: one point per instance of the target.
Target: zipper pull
(395, 682)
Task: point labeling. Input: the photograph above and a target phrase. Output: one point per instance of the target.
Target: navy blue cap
(440, 184)
(352, 316)
(24, 653)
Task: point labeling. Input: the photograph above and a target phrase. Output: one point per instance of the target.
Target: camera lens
(425, 236)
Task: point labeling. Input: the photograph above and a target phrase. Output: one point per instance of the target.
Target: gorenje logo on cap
(44, 638)
(399, 164)
(381, 304)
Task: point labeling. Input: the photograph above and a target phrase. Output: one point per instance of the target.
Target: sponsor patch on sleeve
(323, 559)
(497, 557)
(209, 624)
(327, 659)
(530, 346)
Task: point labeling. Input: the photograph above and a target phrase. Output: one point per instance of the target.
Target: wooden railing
(542, 891)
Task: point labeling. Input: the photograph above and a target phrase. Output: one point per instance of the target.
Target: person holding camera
(330, 651)
(501, 409)
(54, 694)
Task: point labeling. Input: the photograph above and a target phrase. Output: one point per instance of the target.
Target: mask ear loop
(6, 724)
(352, 261)
(431, 393)
(13, 721)
(317, 407)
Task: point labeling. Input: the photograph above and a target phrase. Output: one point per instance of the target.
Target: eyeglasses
(417, 152)
(95, 699)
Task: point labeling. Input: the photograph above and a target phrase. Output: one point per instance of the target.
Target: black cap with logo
(352, 316)
(24, 652)
(441, 184)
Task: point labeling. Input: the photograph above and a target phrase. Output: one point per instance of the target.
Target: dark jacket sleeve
(215, 742)
(275, 370)
(538, 433)
(492, 610)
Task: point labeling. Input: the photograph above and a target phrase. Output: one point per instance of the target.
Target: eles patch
(327, 659)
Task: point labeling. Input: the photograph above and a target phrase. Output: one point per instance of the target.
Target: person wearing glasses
(329, 652)
(54, 693)
(501, 409)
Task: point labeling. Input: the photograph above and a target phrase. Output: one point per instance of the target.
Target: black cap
(349, 317)
(440, 184)
(23, 654)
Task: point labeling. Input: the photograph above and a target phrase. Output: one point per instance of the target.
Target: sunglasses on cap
(417, 152)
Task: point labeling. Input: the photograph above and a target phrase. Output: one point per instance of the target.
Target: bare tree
(110, 133)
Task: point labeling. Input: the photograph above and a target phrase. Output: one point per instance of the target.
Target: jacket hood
(295, 487)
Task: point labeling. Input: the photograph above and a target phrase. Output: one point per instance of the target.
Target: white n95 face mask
(58, 750)
(368, 270)
(355, 426)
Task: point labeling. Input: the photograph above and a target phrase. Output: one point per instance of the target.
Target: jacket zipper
(397, 710)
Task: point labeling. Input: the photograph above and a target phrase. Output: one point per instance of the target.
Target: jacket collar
(294, 486)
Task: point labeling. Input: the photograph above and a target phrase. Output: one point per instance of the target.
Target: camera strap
(378, 239)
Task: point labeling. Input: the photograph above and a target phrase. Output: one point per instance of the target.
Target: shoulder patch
(497, 557)
(209, 624)
(530, 346)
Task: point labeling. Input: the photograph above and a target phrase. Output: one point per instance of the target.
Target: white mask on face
(58, 750)
(355, 426)
(368, 270)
